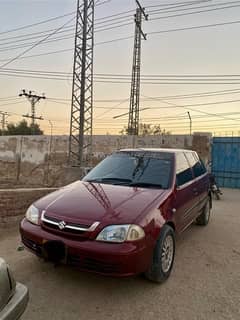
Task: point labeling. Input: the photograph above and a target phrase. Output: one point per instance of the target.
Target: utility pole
(4, 116)
(33, 99)
(190, 119)
(80, 140)
(133, 118)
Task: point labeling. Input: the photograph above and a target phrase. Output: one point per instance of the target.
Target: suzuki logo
(62, 225)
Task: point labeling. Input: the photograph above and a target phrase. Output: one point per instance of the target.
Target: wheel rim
(167, 253)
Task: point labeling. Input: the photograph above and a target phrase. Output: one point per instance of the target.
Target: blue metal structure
(226, 161)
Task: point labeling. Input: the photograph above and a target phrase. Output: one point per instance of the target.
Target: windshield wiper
(93, 180)
(145, 185)
(109, 180)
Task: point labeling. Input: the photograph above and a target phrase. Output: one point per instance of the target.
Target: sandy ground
(204, 284)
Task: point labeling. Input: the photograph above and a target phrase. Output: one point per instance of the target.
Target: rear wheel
(204, 217)
(163, 256)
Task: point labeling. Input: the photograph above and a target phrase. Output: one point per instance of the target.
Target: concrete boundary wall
(41, 161)
(14, 203)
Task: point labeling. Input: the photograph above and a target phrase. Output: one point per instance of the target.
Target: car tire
(204, 217)
(163, 256)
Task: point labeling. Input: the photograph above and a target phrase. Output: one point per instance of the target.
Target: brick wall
(14, 203)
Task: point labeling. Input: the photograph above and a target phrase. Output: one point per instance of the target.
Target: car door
(186, 197)
(201, 180)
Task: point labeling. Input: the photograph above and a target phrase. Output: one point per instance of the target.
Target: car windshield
(146, 170)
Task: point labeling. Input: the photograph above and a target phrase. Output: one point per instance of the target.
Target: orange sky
(207, 51)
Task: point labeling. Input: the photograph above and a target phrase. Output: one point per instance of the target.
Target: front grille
(77, 225)
(64, 227)
(90, 264)
(50, 226)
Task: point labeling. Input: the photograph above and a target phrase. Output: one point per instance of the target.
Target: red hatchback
(121, 219)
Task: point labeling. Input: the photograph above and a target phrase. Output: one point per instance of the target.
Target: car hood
(85, 202)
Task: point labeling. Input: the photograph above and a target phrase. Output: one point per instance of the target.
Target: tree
(146, 129)
(22, 128)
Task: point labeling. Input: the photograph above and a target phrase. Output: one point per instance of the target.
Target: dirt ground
(204, 284)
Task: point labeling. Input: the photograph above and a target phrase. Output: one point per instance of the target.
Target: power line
(154, 12)
(172, 97)
(111, 78)
(106, 81)
(38, 23)
(163, 118)
(104, 20)
(181, 117)
(174, 77)
(35, 45)
(179, 4)
(98, 19)
(130, 37)
(96, 44)
(164, 121)
(10, 104)
(161, 100)
(41, 54)
(61, 38)
(69, 29)
(192, 13)
(196, 27)
(126, 24)
(46, 21)
(6, 99)
(112, 108)
(168, 75)
(187, 107)
(193, 105)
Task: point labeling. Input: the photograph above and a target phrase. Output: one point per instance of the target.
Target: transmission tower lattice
(80, 141)
(133, 118)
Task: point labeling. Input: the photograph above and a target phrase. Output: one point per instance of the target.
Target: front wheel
(163, 256)
(204, 217)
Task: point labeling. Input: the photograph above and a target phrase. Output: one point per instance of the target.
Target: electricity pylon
(80, 140)
(133, 118)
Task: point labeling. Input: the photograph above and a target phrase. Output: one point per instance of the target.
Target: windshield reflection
(128, 169)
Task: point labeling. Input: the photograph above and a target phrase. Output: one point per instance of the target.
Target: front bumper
(16, 305)
(119, 260)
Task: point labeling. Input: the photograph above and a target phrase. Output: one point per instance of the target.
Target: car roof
(168, 150)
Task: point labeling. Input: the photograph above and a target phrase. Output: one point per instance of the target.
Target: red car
(121, 219)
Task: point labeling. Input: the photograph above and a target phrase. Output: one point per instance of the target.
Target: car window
(183, 171)
(196, 164)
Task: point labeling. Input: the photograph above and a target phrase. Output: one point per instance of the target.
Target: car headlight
(32, 215)
(121, 233)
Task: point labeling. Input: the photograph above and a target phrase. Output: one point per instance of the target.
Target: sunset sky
(196, 54)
